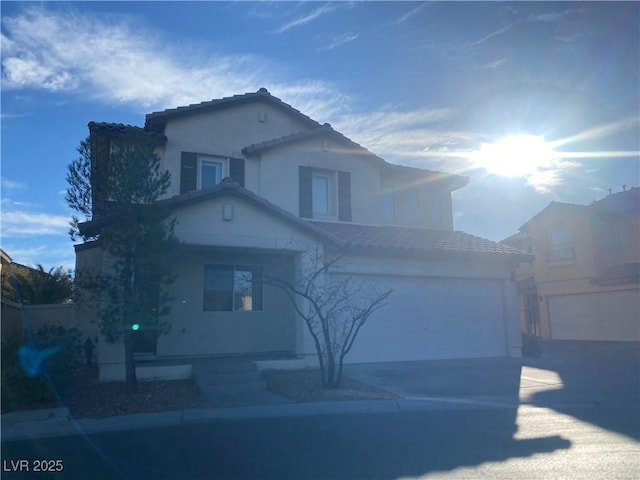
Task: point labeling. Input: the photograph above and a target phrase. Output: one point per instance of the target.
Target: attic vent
(262, 116)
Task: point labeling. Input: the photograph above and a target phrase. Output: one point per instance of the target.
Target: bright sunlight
(515, 156)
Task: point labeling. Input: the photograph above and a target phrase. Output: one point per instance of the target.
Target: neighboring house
(259, 188)
(585, 281)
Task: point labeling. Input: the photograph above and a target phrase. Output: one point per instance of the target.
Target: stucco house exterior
(258, 188)
(584, 283)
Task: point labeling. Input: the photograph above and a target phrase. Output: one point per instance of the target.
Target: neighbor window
(561, 244)
(210, 173)
(235, 288)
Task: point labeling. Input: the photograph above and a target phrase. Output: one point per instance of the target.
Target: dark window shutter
(188, 172)
(344, 196)
(236, 170)
(306, 199)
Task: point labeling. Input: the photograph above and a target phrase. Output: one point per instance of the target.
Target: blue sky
(434, 85)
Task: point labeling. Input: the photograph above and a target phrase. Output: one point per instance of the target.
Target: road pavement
(522, 442)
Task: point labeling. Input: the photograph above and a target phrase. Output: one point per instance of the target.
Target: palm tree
(33, 286)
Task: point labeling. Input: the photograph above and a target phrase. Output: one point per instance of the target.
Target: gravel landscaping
(86, 397)
(306, 386)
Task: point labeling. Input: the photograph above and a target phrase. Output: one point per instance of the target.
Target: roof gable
(455, 181)
(156, 121)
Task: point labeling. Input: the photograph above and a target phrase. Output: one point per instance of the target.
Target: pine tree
(135, 230)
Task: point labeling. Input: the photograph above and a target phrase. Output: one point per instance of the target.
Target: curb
(40, 424)
(57, 422)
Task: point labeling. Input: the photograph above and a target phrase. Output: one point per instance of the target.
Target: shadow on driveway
(592, 376)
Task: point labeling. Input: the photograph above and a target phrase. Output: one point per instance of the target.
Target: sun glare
(515, 156)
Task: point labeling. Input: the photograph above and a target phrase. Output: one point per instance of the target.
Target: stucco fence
(17, 318)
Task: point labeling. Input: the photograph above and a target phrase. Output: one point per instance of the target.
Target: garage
(608, 316)
(433, 318)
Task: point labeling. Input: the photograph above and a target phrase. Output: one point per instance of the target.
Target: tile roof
(158, 118)
(340, 235)
(120, 128)
(226, 188)
(623, 273)
(326, 129)
(418, 240)
(624, 202)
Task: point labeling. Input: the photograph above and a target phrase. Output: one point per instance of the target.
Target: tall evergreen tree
(134, 229)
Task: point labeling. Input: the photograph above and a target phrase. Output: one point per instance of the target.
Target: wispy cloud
(21, 223)
(550, 16)
(334, 42)
(410, 14)
(93, 56)
(8, 184)
(419, 137)
(309, 17)
(488, 36)
(495, 64)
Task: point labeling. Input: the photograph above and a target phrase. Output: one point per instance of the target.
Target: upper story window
(202, 171)
(211, 172)
(324, 194)
(561, 242)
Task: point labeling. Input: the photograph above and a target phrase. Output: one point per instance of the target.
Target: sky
(534, 102)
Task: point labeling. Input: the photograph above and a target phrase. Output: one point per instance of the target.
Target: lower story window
(235, 288)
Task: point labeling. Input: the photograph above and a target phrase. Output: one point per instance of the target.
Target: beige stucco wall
(274, 174)
(198, 332)
(225, 132)
(279, 184)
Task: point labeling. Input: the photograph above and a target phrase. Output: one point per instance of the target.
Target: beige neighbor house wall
(584, 309)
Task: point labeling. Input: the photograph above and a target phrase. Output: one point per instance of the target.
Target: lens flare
(515, 156)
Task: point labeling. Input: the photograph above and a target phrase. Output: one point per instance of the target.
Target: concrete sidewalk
(58, 423)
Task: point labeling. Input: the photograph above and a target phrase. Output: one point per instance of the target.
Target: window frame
(331, 194)
(556, 246)
(211, 159)
(257, 303)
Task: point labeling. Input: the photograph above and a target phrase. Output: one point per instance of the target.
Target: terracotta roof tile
(409, 239)
(119, 128)
(261, 95)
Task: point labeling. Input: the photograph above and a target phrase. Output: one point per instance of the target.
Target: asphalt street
(525, 442)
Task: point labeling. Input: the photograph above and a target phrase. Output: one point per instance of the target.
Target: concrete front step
(232, 388)
(227, 378)
(224, 366)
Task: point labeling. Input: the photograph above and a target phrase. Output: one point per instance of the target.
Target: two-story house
(585, 281)
(260, 188)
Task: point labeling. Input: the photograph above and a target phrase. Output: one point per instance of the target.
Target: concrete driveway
(573, 372)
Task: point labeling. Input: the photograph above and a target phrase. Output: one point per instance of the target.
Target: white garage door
(433, 319)
(596, 316)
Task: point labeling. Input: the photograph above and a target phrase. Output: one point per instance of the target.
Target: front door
(144, 341)
(532, 314)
